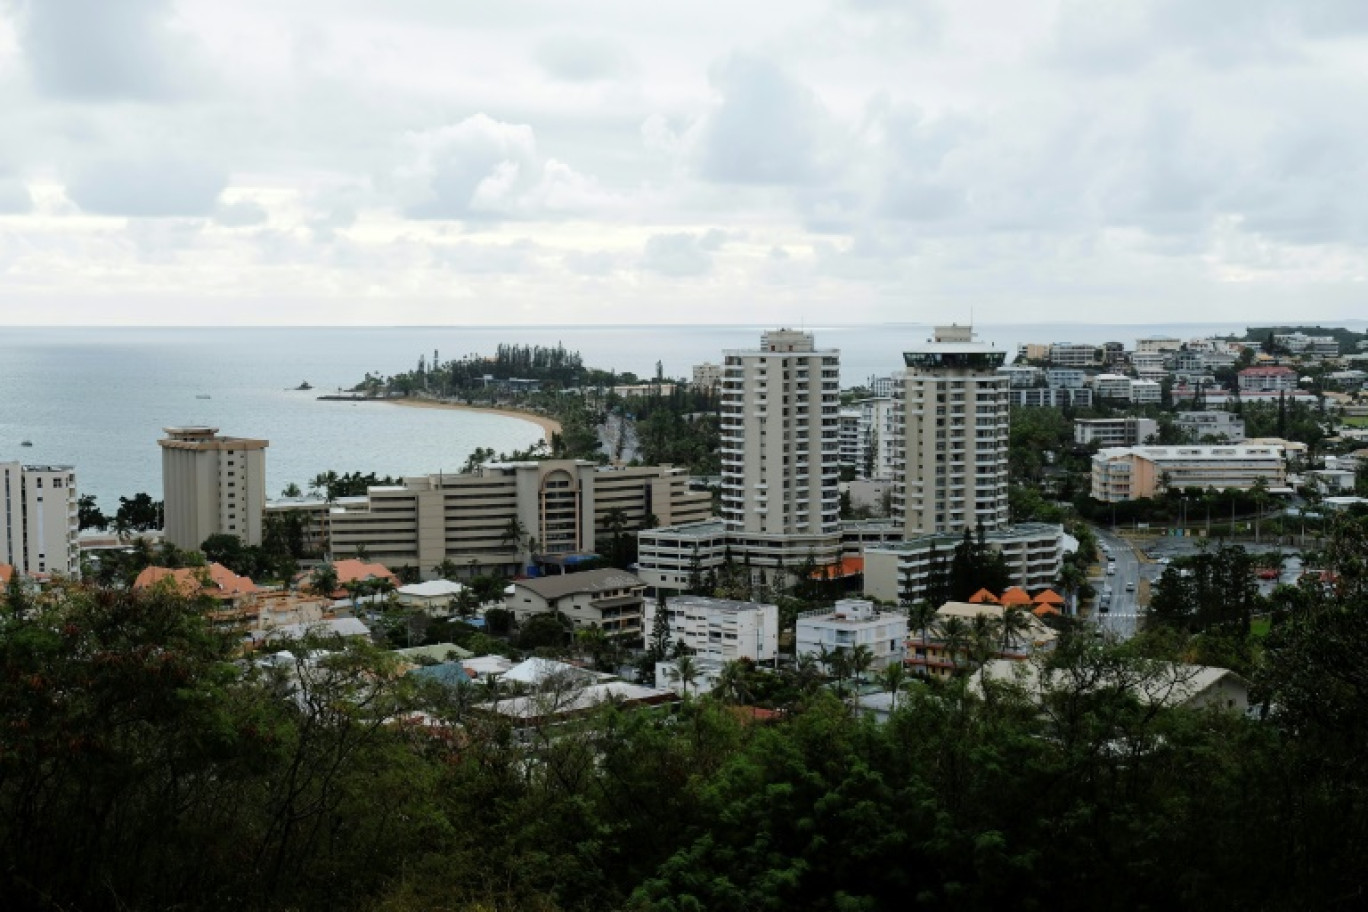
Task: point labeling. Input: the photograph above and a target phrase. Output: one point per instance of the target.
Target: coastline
(548, 426)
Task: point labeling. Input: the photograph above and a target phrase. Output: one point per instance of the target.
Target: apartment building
(212, 485)
(1274, 379)
(929, 653)
(1066, 378)
(1133, 472)
(1044, 397)
(1116, 387)
(1146, 392)
(852, 623)
(720, 629)
(901, 571)
(848, 454)
(1149, 365)
(667, 556)
(875, 438)
(1022, 376)
(1158, 344)
(1114, 432)
(561, 507)
(951, 422)
(1075, 354)
(39, 520)
(609, 600)
(1196, 425)
(707, 377)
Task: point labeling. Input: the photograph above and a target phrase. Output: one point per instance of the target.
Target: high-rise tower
(212, 485)
(780, 442)
(951, 426)
(38, 520)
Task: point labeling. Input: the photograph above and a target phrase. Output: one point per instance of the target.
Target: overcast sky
(627, 161)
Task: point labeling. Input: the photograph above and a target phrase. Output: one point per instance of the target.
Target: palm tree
(685, 671)
(954, 634)
(983, 636)
(1014, 622)
(323, 580)
(732, 686)
(861, 660)
(893, 677)
(921, 616)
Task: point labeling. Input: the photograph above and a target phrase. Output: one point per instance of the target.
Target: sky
(434, 162)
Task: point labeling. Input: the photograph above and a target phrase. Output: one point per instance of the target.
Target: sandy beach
(549, 426)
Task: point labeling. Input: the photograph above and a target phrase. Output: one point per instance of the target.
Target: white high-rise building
(212, 485)
(780, 437)
(951, 431)
(39, 520)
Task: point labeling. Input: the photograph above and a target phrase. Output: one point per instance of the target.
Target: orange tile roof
(222, 582)
(352, 570)
(6, 574)
(1049, 597)
(982, 596)
(846, 566)
(1041, 610)
(1015, 596)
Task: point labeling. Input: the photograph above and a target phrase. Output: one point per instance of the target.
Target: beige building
(950, 431)
(561, 507)
(38, 520)
(901, 571)
(1129, 473)
(212, 485)
(610, 600)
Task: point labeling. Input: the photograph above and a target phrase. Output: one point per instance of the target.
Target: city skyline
(177, 162)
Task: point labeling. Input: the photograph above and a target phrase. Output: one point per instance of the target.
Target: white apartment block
(780, 449)
(1116, 387)
(851, 623)
(951, 462)
(882, 387)
(1066, 378)
(849, 454)
(720, 629)
(1225, 425)
(212, 485)
(1114, 432)
(1022, 376)
(563, 507)
(1146, 392)
(876, 438)
(1268, 380)
(1134, 472)
(1149, 365)
(1044, 397)
(667, 556)
(1075, 354)
(901, 571)
(38, 520)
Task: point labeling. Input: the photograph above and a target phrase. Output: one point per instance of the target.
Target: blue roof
(448, 673)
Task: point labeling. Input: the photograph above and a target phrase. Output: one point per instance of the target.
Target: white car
(1111, 569)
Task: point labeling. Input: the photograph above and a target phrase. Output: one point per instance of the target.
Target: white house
(721, 629)
(851, 623)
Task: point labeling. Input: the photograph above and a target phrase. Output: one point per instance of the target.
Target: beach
(549, 426)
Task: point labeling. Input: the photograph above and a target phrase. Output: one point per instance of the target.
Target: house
(435, 597)
(611, 600)
(565, 705)
(1171, 685)
(931, 654)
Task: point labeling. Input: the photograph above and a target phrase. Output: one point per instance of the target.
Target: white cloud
(582, 58)
(242, 213)
(147, 187)
(677, 255)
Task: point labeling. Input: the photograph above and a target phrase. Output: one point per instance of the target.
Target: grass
(1354, 422)
(1259, 627)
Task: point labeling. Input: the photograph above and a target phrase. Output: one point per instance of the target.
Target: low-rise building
(1021, 376)
(1114, 432)
(1158, 344)
(1066, 378)
(1116, 387)
(931, 654)
(850, 624)
(611, 600)
(1276, 379)
(722, 629)
(1129, 473)
(1170, 684)
(902, 571)
(1075, 354)
(1045, 397)
(1225, 426)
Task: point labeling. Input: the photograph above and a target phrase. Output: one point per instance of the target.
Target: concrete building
(1114, 432)
(1075, 354)
(875, 439)
(1044, 397)
(720, 629)
(610, 600)
(212, 485)
(1146, 392)
(848, 453)
(780, 446)
(1149, 365)
(1022, 376)
(1275, 379)
(929, 655)
(1158, 344)
(562, 506)
(707, 377)
(950, 466)
(852, 623)
(1225, 425)
(1116, 387)
(1131, 473)
(1066, 378)
(668, 556)
(901, 571)
(39, 521)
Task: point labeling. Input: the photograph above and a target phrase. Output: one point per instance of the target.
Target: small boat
(26, 443)
(204, 396)
(306, 385)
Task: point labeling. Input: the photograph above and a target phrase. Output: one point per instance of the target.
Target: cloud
(96, 49)
(582, 58)
(678, 255)
(242, 213)
(147, 187)
(15, 198)
(766, 129)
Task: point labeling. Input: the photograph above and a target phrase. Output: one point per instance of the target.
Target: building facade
(720, 629)
(610, 600)
(852, 623)
(1114, 432)
(951, 425)
(1129, 473)
(902, 571)
(212, 485)
(39, 520)
(1224, 425)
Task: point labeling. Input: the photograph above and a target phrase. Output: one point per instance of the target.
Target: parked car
(1130, 587)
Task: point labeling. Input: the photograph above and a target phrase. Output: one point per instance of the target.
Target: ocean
(98, 398)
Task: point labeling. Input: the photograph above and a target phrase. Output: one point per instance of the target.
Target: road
(1128, 582)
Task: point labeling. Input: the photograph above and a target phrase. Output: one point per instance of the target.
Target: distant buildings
(902, 571)
(850, 624)
(38, 520)
(1268, 380)
(1130, 473)
(212, 485)
(1226, 426)
(609, 600)
(1114, 432)
(721, 629)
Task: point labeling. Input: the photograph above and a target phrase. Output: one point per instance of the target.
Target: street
(1123, 615)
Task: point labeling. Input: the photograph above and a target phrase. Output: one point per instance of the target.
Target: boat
(26, 443)
(204, 396)
(306, 385)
